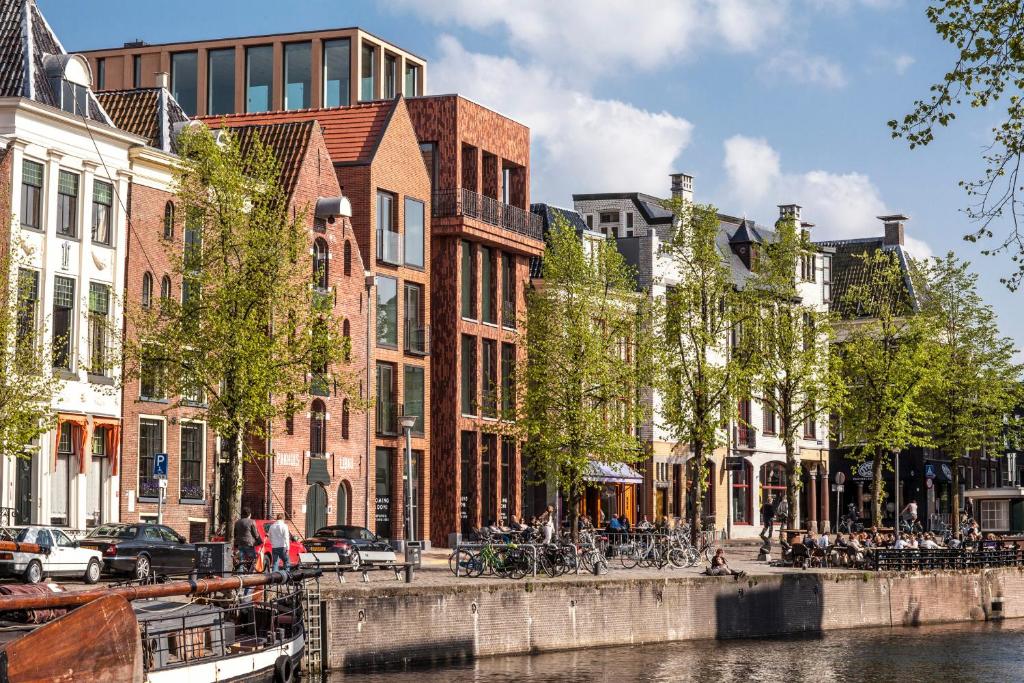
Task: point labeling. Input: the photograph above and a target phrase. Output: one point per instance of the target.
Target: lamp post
(407, 422)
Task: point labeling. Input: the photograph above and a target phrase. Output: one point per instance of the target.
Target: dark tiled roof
(141, 111)
(287, 141)
(748, 233)
(850, 269)
(650, 207)
(549, 214)
(12, 50)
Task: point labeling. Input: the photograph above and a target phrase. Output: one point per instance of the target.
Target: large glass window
(184, 68)
(414, 395)
(151, 442)
(193, 442)
(414, 231)
(490, 377)
(508, 374)
(259, 78)
(63, 321)
(390, 76)
(773, 482)
(387, 311)
(368, 72)
(412, 79)
(508, 291)
(415, 330)
(383, 493)
(741, 503)
(468, 375)
(468, 281)
(99, 312)
(28, 310)
(297, 72)
(387, 229)
(387, 411)
(67, 204)
(487, 286)
(102, 213)
(220, 81)
(31, 194)
(337, 70)
(488, 453)
(318, 429)
(60, 478)
(508, 454)
(995, 515)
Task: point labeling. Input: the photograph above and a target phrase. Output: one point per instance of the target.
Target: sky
(765, 102)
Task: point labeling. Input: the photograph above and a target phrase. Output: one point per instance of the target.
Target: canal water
(988, 652)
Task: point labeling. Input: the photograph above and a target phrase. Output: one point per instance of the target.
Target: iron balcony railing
(463, 202)
(744, 437)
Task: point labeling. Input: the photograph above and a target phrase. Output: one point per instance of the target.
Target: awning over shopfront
(617, 473)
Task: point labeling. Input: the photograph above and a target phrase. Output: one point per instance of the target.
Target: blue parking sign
(159, 465)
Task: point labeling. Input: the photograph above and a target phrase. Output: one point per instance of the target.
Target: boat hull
(248, 667)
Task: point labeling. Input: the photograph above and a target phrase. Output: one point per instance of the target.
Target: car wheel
(92, 572)
(143, 568)
(356, 561)
(34, 572)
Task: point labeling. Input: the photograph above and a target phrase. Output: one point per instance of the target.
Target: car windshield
(112, 531)
(349, 532)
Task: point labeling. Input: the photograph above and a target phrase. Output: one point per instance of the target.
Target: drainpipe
(368, 278)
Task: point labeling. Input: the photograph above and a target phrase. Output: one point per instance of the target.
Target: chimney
(893, 229)
(682, 186)
(163, 80)
(790, 212)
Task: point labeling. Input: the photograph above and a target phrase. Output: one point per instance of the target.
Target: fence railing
(908, 559)
(463, 202)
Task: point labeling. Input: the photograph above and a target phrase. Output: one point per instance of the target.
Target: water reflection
(974, 652)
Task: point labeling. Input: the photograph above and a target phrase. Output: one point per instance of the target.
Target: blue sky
(766, 102)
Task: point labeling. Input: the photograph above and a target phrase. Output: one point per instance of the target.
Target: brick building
(482, 238)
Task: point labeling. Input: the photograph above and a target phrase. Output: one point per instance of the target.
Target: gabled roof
(750, 233)
(26, 40)
(352, 133)
(148, 112)
(288, 141)
(849, 270)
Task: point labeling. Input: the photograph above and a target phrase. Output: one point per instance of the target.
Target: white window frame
(202, 458)
(138, 450)
(994, 515)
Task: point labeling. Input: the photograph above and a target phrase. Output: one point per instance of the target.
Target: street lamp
(408, 422)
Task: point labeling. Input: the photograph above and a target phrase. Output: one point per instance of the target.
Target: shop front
(612, 490)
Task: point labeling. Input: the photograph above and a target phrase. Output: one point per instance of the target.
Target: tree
(886, 352)
(976, 383)
(588, 355)
(704, 311)
(795, 375)
(250, 333)
(989, 38)
(27, 382)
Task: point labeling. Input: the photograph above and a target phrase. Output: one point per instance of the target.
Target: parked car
(141, 549)
(355, 545)
(294, 547)
(66, 557)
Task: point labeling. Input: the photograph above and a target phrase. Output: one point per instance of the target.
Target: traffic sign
(840, 478)
(160, 465)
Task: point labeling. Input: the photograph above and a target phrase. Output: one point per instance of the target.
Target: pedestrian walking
(280, 539)
(247, 537)
(547, 521)
(767, 519)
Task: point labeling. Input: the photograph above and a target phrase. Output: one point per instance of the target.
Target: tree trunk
(954, 514)
(574, 516)
(698, 492)
(792, 481)
(876, 490)
(231, 496)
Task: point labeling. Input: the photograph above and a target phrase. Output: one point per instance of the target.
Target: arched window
(169, 221)
(318, 428)
(344, 419)
(342, 503)
(320, 263)
(348, 258)
(288, 497)
(165, 287)
(147, 290)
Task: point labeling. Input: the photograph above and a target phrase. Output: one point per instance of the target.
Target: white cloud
(581, 143)
(795, 66)
(841, 205)
(902, 62)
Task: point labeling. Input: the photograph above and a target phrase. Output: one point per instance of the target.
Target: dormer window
(69, 78)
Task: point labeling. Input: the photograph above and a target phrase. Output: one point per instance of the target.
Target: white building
(640, 223)
(67, 170)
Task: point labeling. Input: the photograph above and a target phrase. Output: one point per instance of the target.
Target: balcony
(744, 437)
(463, 202)
(417, 339)
(389, 247)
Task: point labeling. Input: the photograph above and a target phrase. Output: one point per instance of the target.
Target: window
(387, 411)
(390, 76)
(414, 222)
(193, 443)
(767, 419)
(28, 311)
(165, 287)
(413, 400)
(508, 291)
(415, 330)
(487, 286)
(169, 221)
(136, 71)
(151, 379)
(488, 455)
(72, 96)
(741, 486)
(826, 278)
(337, 68)
(490, 378)
(995, 515)
(99, 311)
(220, 81)
(468, 375)
(348, 258)
(590, 221)
(506, 185)
(346, 333)
(368, 72)
(318, 429)
(101, 73)
(344, 419)
(151, 442)
(773, 481)
(744, 428)
(31, 194)
(102, 215)
(609, 217)
(468, 281)
(387, 311)
(184, 68)
(259, 78)
(63, 321)
(67, 204)
(629, 223)
(508, 375)
(320, 263)
(60, 485)
(412, 79)
(807, 267)
(297, 72)
(387, 233)
(811, 424)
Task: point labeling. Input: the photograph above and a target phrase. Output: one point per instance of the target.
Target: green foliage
(989, 38)
(589, 354)
(27, 382)
(250, 332)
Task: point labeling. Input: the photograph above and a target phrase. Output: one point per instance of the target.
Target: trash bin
(213, 559)
(413, 550)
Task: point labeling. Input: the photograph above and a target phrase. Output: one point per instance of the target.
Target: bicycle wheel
(677, 558)
(630, 557)
(518, 563)
(477, 564)
(692, 556)
(458, 561)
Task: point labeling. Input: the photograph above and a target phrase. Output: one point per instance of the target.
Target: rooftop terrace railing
(463, 202)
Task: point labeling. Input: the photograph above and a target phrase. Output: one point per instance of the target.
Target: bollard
(408, 573)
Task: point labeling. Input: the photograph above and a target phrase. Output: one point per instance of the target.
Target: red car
(294, 547)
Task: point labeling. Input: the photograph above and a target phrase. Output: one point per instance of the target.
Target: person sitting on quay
(809, 540)
(720, 567)
(928, 543)
(645, 524)
(613, 525)
(823, 541)
(624, 523)
(516, 525)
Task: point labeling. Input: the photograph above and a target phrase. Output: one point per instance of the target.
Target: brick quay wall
(372, 626)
